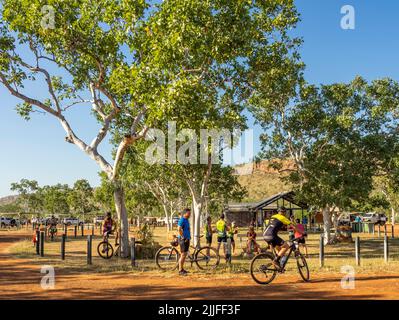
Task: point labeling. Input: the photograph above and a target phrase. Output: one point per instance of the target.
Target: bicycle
(206, 258)
(264, 272)
(106, 250)
(52, 232)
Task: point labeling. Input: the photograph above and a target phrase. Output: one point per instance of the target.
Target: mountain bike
(106, 250)
(206, 258)
(263, 271)
(52, 232)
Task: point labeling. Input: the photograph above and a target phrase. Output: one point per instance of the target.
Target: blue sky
(36, 149)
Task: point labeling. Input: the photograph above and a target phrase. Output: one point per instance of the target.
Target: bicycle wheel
(262, 269)
(302, 267)
(207, 258)
(167, 258)
(105, 250)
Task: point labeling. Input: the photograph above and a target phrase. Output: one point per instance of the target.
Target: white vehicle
(7, 222)
(72, 222)
(98, 220)
(374, 217)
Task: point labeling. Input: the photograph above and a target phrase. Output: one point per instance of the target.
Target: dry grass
(336, 256)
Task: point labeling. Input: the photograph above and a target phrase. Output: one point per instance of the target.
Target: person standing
(230, 235)
(208, 231)
(221, 230)
(184, 237)
(301, 233)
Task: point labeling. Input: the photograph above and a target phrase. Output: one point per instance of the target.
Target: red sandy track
(20, 279)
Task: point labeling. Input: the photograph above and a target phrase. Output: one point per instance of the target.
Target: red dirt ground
(20, 279)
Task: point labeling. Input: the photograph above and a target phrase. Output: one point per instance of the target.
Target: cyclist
(230, 235)
(52, 225)
(108, 225)
(277, 223)
(184, 239)
(221, 229)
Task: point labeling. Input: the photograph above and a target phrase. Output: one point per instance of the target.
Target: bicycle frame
(293, 247)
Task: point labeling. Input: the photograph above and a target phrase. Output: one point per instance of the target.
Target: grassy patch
(23, 248)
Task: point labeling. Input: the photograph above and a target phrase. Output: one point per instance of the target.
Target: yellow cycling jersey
(221, 228)
(282, 219)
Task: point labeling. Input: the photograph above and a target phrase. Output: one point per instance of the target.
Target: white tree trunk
(197, 206)
(335, 221)
(327, 224)
(119, 197)
(170, 221)
(166, 212)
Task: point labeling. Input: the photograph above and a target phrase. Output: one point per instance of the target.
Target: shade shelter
(244, 213)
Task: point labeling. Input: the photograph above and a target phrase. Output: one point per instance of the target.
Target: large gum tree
(127, 58)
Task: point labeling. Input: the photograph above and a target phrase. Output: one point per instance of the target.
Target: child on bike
(108, 225)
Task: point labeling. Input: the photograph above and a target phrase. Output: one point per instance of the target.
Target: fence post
(385, 229)
(386, 249)
(37, 242)
(228, 251)
(82, 229)
(75, 231)
(133, 251)
(92, 230)
(89, 247)
(321, 256)
(357, 250)
(63, 239)
(393, 231)
(42, 243)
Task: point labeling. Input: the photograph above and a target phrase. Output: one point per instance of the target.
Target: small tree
(29, 195)
(80, 198)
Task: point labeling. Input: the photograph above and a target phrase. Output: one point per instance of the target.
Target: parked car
(150, 220)
(175, 220)
(72, 222)
(374, 217)
(7, 222)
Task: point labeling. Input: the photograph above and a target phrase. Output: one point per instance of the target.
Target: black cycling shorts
(209, 239)
(222, 239)
(302, 240)
(107, 232)
(274, 241)
(184, 245)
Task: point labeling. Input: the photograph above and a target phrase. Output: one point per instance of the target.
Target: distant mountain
(261, 181)
(7, 200)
